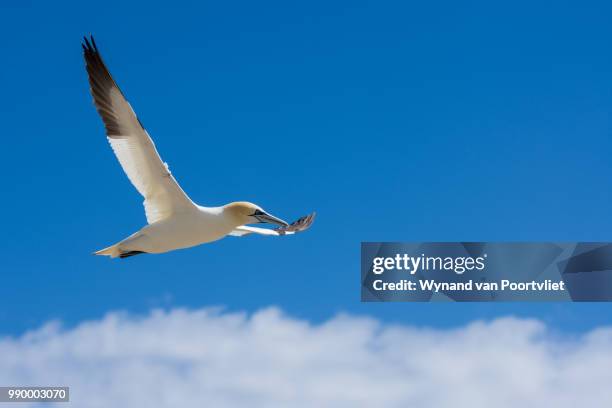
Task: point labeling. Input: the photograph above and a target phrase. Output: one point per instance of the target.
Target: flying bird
(174, 221)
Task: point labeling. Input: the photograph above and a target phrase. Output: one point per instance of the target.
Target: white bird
(174, 221)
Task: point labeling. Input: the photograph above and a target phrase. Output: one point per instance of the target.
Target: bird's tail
(112, 251)
(124, 249)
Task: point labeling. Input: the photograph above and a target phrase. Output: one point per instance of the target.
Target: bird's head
(248, 213)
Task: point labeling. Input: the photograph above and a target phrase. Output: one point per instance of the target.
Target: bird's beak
(270, 219)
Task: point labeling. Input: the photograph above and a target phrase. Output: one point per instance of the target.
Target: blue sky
(393, 120)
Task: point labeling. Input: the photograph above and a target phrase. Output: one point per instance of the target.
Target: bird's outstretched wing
(298, 226)
(131, 142)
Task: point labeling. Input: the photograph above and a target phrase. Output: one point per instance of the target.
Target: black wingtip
(89, 44)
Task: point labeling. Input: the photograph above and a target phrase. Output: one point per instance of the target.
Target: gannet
(174, 220)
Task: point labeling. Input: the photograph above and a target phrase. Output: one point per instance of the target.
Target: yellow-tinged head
(244, 212)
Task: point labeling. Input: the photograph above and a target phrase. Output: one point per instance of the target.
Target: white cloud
(207, 358)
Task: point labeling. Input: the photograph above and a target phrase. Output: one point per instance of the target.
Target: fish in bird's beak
(264, 217)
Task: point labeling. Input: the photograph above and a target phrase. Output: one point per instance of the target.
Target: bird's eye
(258, 212)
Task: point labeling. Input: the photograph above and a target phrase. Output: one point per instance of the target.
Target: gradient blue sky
(393, 120)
